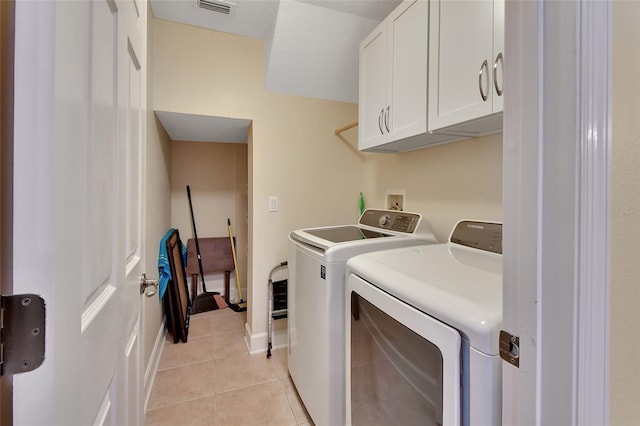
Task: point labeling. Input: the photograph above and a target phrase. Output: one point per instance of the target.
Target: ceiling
(200, 128)
(311, 46)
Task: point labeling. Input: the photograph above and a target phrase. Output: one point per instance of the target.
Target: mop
(206, 301)
(241, 306)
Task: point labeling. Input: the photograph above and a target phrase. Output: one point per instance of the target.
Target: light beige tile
(279, 361)
(227, 321)
(199, 412)
(263, 404)
(181, 384)
(219, 312)
(197, 349)
(242, 314)
(207, 314)
(200, 325)
(296, 404)
(229, 344)
(241, 371)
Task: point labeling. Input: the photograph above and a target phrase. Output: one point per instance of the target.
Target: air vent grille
(218, 6)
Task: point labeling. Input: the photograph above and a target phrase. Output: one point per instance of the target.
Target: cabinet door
(498, 55)
(460, 41)
(406, 109)
(372, 88)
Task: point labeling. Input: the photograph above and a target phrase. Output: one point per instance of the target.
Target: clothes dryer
(422, 330)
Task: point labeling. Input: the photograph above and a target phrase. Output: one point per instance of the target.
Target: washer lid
(458, 285)
(373, 224)
(342, 234)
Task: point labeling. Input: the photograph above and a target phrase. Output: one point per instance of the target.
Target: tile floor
(213, 380)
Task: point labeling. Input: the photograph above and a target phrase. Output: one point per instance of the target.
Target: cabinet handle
(386, 119)
(495, 73)
(380, 121)
(484, 66)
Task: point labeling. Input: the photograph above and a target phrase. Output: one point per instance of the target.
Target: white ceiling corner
(314, 52)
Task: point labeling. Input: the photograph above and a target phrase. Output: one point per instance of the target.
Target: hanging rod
(346, 127)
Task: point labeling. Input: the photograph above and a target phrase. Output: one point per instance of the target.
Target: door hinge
(22, 331)
(510, 348)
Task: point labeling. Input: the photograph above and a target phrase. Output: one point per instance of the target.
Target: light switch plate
(273, 204)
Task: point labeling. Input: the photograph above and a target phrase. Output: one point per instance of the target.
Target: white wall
(625, 217)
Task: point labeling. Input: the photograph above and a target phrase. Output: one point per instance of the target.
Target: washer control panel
(391, 220)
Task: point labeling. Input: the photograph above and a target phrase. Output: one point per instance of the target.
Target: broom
(241, 306)
(206, 301)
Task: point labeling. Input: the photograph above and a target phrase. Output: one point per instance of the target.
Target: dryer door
(404, 365)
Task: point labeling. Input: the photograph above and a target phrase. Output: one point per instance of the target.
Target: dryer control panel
(485, 236)
(391, 220)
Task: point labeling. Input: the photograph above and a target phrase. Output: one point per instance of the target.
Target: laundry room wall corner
(294, 153)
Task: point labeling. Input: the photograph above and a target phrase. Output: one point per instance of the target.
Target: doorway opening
(217, 176)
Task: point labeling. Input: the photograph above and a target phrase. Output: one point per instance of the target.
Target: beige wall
(293, 154)
(625, 217)
(446, 183)
(217, 177)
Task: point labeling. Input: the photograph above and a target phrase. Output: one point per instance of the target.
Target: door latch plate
(510, 348)
(22, 333)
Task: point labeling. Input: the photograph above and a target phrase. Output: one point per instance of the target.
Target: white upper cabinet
(466, 41)
(372, 88)
(406, 111)
(393, 82)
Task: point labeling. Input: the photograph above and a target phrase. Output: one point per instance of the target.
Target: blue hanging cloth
(164, 269)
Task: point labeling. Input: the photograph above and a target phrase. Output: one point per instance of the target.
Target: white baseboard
(279, 339)
(215, 282)
(154, 361)
(257, 342)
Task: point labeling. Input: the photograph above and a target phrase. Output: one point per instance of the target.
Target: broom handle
(195, 235)
(235, 261)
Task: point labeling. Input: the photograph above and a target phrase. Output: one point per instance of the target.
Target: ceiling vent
(218, 6)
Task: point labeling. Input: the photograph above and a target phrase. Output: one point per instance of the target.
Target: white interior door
(556, 142)
(78, 219)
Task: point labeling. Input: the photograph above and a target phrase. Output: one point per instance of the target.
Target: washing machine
(316, 300)
(422, 329)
